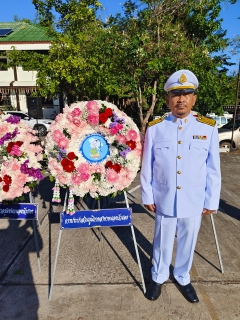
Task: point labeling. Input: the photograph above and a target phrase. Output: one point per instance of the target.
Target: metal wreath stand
(59, 240)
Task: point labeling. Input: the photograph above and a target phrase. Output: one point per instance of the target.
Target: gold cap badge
(183, 78)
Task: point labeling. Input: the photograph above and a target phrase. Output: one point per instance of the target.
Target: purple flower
(112, 125)
(24, 167)
(61, 154)
(13, 119)
(9, 136)
(125, 152)
(118, 120)
(35, 173)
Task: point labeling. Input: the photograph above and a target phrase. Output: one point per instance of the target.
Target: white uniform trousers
(164, 235)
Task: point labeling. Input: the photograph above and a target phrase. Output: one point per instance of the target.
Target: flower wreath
(93, 148)
(20, 158)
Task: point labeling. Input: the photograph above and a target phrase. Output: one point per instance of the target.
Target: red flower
(108, 164)
(5, 188)
(19, 143)
(71, 156)
(108, 112)
(116, 167)
(67, 165)
(70, 167)
(103, 117)
(7, 179)
(9, 147)
(132, 144)
(64, 162)
(1, 179)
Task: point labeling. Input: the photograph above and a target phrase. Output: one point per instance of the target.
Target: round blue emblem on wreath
(94, 148)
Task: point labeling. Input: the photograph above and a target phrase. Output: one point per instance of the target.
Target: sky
(25, 9)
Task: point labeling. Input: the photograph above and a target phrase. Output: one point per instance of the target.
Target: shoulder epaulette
(209, 121)
(152, 123)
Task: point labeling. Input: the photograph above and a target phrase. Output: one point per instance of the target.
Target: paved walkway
(100, 280)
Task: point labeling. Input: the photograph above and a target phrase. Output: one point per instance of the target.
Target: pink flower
(138, 152)
(15, 166)
(77, 179)
(69, 117)
(4, 129)
(76, 121)
(93, 119)
(74, 132)
(57, 135)
(97, 168)
(124, 179)
(85, 176)
(131, 135)
(111, 176)
(83, 167)
(119, 126)
(16, 151)
(121, 139)
(80, 177)
(26, 189)
(114, 130)
(59, 117)
(76, 112)
(92, 107)
(20, 179)
(63, 143)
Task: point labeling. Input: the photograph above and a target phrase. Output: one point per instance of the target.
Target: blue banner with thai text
(97, 218)
(19, 211)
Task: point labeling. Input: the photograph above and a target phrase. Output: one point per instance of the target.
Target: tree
(130, 56)
(72, 65)
(165, 36)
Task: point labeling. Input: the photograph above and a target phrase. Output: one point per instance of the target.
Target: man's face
(181, 103)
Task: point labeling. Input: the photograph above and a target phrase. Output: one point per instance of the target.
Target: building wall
(22, 101)
(26, 75)
(25, 79)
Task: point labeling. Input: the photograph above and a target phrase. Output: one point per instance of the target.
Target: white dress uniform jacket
(180, 171)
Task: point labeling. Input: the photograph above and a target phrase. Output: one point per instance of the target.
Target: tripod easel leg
(217, 245)
(136, 249)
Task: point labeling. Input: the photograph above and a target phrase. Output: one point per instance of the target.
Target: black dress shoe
(189, 293)
(154, 291)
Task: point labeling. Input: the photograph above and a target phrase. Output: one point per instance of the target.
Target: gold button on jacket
(178, 187)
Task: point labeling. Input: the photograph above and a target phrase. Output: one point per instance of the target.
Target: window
(19, 114)
(217, 119)
(223, 120)
(5, 99)
(3, 64)
(229, 125)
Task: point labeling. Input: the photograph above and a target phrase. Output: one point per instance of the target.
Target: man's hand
(150, 207)
(207, 212)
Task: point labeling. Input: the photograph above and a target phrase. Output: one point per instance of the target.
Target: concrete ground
(100, 279)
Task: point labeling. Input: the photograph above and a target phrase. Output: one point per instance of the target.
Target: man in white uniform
(180, 180)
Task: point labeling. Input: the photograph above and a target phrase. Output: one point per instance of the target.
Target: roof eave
(24, 42)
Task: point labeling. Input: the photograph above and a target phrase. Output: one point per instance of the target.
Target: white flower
(107, 123)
